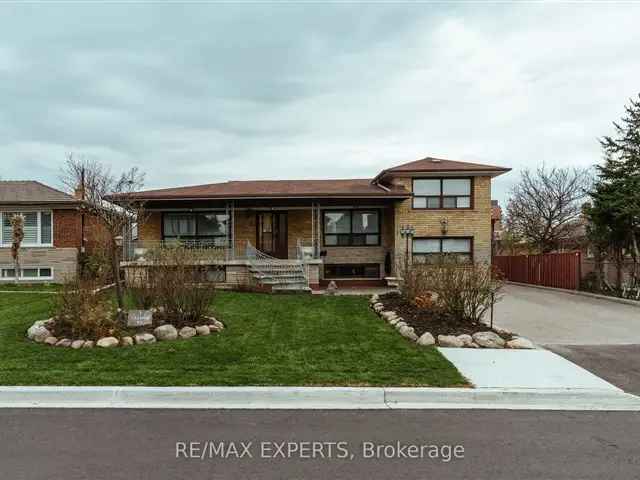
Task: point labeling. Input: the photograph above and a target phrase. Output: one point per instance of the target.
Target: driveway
(547, 317)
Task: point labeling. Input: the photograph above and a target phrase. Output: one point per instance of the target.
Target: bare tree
(545, 206)
(98, 187)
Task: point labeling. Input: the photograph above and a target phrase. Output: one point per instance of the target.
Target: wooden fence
(560, 270)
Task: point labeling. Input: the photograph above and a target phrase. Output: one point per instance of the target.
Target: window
(196, 226)
(432, 249)
(364, 270)
(349, 228)
(442, 193)
(38, 229)
(27, 273)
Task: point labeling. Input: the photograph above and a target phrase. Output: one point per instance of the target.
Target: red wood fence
(560, 270)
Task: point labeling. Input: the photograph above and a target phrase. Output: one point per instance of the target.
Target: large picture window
(442, 193)
(210, 226)
(430, 250)
(38, 229)
(348, 228)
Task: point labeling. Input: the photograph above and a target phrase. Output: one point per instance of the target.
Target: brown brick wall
(151, 228)
(66, 229)
(474, 223)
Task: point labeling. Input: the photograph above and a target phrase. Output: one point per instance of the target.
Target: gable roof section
(30, 192)
(274, 189)
(441, 165)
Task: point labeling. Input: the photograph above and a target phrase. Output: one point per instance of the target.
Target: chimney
(78, 192)
(435, 160)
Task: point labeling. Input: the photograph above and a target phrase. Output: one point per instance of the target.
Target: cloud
(197, 93)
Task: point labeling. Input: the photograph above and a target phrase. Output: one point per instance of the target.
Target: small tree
(545, 205)
(17, 235)
(99, 186)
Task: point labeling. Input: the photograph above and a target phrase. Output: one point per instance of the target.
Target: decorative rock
(165, 332)
(520, 342)
(51, 341)
(388, 315)
(126, 341)
(88, 344)
(214, 328)
(426, 340)
(466, 340)
(203, 330)
(488, 340)
(140, 338)
(187, 332)
(107, 342)
(408, 332)
(378, 307)
(65, 342)
(449, 341)
(395, 320)
(76, 344)
(218, 324)
(38, 333)
(374, 299)
(400, 324)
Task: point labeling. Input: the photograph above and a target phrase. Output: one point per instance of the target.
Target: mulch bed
(432, 321)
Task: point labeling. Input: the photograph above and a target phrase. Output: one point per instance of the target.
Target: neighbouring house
(296, 234)
(56, 231)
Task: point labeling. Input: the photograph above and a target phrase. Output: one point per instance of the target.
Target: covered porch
(331, 239)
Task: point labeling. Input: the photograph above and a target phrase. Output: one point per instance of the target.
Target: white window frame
(39, 231)
(22, 278)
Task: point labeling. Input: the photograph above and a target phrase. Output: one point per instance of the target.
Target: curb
(624, 301)
(327, 398)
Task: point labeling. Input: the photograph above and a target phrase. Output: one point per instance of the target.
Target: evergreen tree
(615, 206)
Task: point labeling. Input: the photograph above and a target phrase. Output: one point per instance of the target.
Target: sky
(202, 92)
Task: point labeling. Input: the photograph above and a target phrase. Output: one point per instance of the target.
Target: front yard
(268, 340)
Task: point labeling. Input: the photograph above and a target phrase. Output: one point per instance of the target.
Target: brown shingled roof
(276, 189)
(436, 165)
(16, 192)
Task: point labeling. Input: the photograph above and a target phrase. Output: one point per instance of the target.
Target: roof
(31, 192)
(441, 165)
(276, 189)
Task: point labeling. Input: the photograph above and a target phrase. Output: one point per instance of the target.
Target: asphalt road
(142, 444)
(617, 364)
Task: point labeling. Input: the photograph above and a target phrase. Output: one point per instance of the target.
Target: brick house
(55, 232)
(291, 234)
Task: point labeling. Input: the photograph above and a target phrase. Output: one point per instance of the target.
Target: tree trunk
(598, 260)
(16, 268)
(115, 271)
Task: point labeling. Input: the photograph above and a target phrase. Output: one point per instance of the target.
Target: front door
(272, 233)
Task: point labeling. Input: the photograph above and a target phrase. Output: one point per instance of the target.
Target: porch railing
(203, 249)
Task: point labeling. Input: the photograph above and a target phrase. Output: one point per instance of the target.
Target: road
(549, 317)
(125, 444)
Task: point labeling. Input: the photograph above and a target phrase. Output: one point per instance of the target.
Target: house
(53, 232)
(291, 234)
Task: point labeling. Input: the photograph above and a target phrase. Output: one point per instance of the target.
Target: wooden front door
(272, 234)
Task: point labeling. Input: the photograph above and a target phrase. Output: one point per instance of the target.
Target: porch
(274, 242)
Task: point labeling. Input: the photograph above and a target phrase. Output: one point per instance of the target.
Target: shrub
(83, 313)
(463, 290)
(178, 283)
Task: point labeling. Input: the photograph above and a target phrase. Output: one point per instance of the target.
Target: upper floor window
(38, 229)
(196, 226)
(345, 228)
(442, 193)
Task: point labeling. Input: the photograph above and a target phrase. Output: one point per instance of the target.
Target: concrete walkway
(549, 317)
(524, 369)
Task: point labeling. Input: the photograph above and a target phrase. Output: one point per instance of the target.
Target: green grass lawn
(269, 340)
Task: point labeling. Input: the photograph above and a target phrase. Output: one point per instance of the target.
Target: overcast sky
(206, 93)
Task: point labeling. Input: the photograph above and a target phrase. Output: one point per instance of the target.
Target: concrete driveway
(548, 317)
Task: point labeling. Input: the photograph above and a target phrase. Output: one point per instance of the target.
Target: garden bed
(430, 320)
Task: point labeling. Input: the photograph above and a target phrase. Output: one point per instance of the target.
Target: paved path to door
(547, 317)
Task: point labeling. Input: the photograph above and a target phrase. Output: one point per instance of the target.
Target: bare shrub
(178, 283)
(83, 313)
(463, 290)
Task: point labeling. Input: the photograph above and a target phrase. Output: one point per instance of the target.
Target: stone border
(483, 339)
(39, 333)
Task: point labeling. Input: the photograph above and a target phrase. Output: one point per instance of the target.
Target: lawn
(269, 340)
